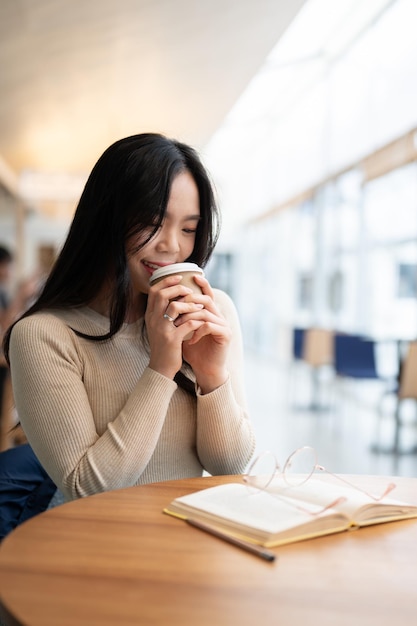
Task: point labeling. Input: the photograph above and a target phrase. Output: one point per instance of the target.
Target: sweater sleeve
(56, 414)
(225, 438)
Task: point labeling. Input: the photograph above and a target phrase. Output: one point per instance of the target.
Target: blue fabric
(25, 487)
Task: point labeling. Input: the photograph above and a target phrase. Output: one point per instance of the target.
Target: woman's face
(174, 241)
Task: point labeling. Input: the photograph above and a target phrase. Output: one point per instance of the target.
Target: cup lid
(175, 268)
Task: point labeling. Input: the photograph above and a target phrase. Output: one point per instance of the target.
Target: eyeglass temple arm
(388, 489)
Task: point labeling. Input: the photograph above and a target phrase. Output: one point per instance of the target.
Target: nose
(167, 240)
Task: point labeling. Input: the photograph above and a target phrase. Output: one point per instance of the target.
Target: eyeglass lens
(262, 471)
(299, 466)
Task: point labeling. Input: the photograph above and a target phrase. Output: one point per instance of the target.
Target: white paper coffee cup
(186, 270)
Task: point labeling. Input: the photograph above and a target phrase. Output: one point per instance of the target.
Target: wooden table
(116, 559)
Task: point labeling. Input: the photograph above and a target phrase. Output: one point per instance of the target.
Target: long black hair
(126, 193)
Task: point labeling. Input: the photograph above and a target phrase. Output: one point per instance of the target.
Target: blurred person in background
(6, 261)
(12, 304)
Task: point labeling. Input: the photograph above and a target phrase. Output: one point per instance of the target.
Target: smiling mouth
(151, 267)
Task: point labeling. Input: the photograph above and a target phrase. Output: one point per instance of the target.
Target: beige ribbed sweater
(99, 418)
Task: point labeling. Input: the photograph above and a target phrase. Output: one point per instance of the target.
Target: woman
(107, 390)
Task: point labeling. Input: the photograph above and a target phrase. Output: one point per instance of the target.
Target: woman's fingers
(161, 299)
(176, 309)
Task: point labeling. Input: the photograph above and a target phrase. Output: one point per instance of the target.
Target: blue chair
(354, 357)
(297, 353)
(355, 360)
(298, 343)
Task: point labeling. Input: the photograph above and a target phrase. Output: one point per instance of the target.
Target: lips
(151, 267)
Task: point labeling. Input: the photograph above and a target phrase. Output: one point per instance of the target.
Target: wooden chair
(318, 347)
(407, 388)
(314, 349)
(404, 389)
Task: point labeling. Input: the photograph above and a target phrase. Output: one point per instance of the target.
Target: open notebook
(283, 515)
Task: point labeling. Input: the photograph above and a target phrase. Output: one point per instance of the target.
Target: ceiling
(78, 74)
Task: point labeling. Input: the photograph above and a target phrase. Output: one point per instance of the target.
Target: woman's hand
(206, 351)
(170, 299)
(187, 311)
